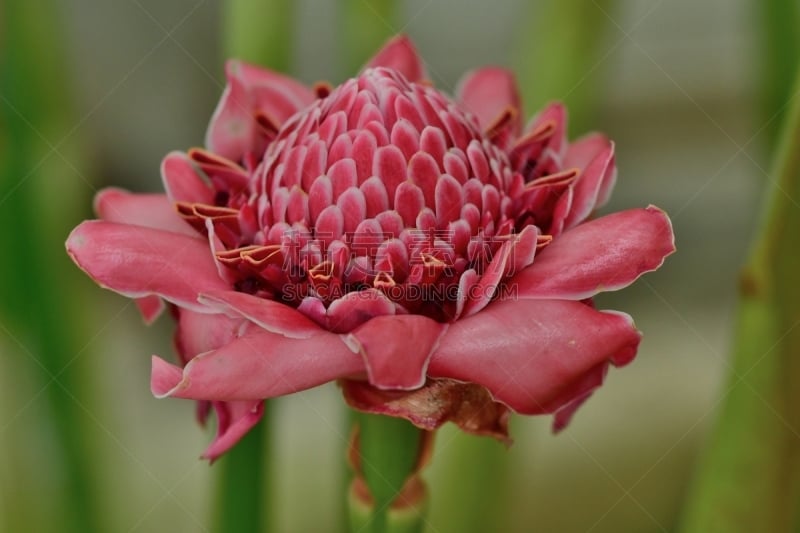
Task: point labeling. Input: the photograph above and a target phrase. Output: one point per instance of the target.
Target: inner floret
(381, 185)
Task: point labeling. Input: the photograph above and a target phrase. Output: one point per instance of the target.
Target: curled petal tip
(182, 181)
(664, 232)
(627, 351)
(100, 201)
(126, 258)
(165, 379)
(655, 210)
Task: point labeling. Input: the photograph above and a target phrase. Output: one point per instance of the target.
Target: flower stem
(780, 51)
(474, 498)
(242, 488)
(387, 457)
(749, 477)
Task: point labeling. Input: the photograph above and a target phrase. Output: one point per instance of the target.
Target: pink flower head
(426, 252)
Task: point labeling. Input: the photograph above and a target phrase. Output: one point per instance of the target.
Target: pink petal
(267, 314)
(582, 391)
(432, 141)
(146, 210)
(392, 223)
(468, 280)
(534, 355)
(405, 137)
(396, 349)
(163, 376)
(390, 165)
(448, 200)
(582, 151)
(364, 147)
(223, 173)
(544, 140)
(356, 308)
(136, 261)
(320, 196)
(487, 93)
(399, 54)
(297, 207)
(409, 201)
(366, 239)
(556, 114)
(375, 195)
(424, 172)
(215, 247)
(525, 245)
(198, 333)
(343, 175)
(481, 293)
(232, 130)
(454, 165)
(604, 254)
(149, 210)
(408, 111)
(257, 365)
(517, 252)
(594, 155)
(353, 206)
(329, 224)
(561, 210)
(477, 160)
(278, 95)
(150, 307)
(182, 181)
(342, 148)
(234, 420)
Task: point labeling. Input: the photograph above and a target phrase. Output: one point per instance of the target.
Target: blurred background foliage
(94, 93)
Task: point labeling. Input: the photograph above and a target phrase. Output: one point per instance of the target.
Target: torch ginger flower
(426, 252)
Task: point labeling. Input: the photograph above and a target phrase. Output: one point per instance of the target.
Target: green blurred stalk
(474, 489)
(389, 450)
(749, 476)
(260, 32)
(243, 496)
(407, 521)
(558, 50)
(37, 297)
(365, 26)
(780, 51)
